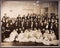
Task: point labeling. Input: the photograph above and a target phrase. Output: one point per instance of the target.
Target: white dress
(11, 37)
(39, 37)
(26, 36)
(46, 39)
(39, 40)
(20, 37)
(23, 37)
(53, 36)
(31, 36)
(54, 42)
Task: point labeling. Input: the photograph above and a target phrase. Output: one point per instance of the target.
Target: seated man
(12, 36)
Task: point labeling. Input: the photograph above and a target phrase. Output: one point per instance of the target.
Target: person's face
(19, 28)
(43, 29)
(56, 25)
(16, 29)
(5, 14)
(21, 31)
(52, 20)
(22, 22)
(47, 31)
(38, 19)
(39, 30)
(34, 19)
(49, 20)
(13, 21)
(36, 16)
(42, 23)
(23, 19)
(7, 20)
(51, 23)
(18, 15)
(36, 23)
(23, 27)
(45, 21)
(31, 22)
(19, 18)
(42, 18)
(28, 16)
(35, 29)
(31, 19)
(56, 17)
(3, 19)
(51, 32)
(55, 21)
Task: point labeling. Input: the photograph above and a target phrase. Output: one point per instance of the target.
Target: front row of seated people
(47, 38)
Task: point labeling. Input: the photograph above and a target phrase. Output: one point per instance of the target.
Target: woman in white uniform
(53, 41)
(46, 38)
(52, 36)
(20, 37)
(39, 37)
(12, 36)
(32, 37)
(26, 36)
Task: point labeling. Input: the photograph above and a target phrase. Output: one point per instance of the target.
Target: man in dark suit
(23, 29)
(4, 20)
(23, 17)
(56, 30)
(27, 24)
(18, 17)
(41, 25)
(7, 30)
(32, 25)
(36, 24)
(3, 25)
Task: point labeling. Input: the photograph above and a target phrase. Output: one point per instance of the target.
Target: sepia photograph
(29, 23)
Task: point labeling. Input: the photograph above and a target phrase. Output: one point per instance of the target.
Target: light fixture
(37, 1)
(37, 4)
(34, 3)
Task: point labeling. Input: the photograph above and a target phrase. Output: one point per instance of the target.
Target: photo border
(31, 46)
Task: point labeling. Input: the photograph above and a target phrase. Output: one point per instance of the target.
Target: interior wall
(13, 8)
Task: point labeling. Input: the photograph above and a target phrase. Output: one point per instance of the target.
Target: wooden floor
(23, 44)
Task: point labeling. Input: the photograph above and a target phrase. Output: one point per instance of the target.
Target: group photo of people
(33, 26)
(29, 23)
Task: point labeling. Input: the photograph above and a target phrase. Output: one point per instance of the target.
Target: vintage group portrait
(29, 23)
